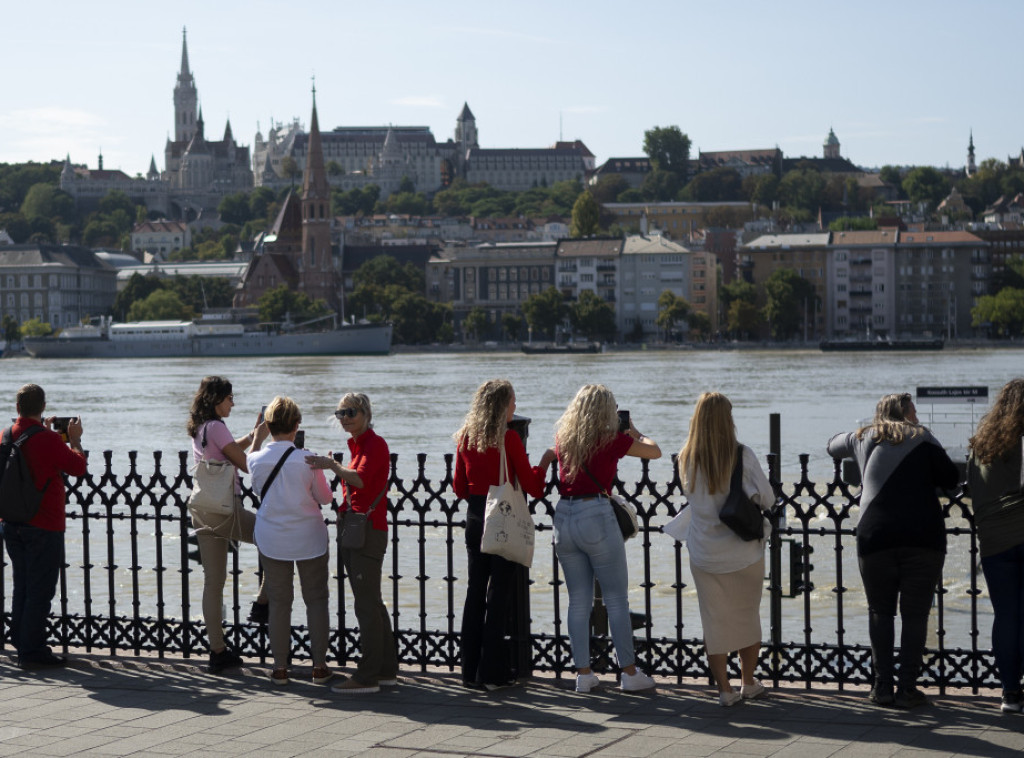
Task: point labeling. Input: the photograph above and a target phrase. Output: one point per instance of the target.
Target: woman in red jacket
(485, 660)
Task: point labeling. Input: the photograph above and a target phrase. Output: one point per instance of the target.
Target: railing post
(775, 549)
(519, 632)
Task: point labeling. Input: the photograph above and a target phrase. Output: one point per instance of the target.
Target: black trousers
(485, 654)
(905, 577)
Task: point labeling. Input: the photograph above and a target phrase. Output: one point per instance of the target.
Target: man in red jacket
(36, 548)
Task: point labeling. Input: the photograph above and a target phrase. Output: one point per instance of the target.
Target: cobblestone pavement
(143, 706)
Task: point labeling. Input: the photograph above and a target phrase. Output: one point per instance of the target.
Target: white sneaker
(727, 699)
(751, 691)
(388, 682)
(637, 682)
(587, 682)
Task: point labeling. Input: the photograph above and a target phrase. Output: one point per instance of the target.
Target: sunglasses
(345, 413)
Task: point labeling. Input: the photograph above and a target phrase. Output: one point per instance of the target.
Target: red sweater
(48, 456)
(476, 472)
(371, 459)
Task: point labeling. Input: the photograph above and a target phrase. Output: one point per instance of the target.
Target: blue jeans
(36, 558)
(1004, 573)
(589, 545)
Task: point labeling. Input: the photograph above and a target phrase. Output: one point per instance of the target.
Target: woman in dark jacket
(901, 537)
(994, 477)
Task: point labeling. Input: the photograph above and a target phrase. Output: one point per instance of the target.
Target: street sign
(952, 395)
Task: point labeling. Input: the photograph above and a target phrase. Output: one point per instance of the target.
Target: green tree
(668, 149)
(137, 288)
(545, 311)
(802, 188)
(660, 186)
(609, 187)
(698, 325)
(114, 201)
(35, 328)
(335, 169)
(406, 185)
(47, 201)
(762, 189)
(591, 316)
(235, 209)
(743, 318)
(788, 296)
(891, 175)
(162, 305)
(586, 216)
(926, 185)
(511, 325)
(416, 320)
(717, 185)
(201, 292)
(411, 203)
(260, 201)
(1002, 312)
(17, 226)
(290, 169)
(476, 323)
(672, 309)
(853, 223)
(383, 270)
(282, 303)
(9, 328)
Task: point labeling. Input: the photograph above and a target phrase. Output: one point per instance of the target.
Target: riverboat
(184, 339)
(548, 348)
(831, 346)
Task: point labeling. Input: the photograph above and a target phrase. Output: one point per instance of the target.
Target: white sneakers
(727, 699)
(636, 682)
(587, 682)
(746, 692)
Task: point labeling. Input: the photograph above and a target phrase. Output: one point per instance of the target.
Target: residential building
(678, 219)
(633, 170)
(161, 236)
(744, 162)
(860, 298)
(61, 285)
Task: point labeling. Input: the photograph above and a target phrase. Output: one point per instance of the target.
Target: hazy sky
(902, 81)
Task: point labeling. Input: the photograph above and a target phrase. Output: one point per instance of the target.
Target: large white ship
(183, 339)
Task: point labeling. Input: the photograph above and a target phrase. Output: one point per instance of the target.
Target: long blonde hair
(486, 422)
(710, 447)
(1000, 430)
(890, 423)
(589, 423)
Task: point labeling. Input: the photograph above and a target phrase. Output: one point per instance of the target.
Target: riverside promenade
(126, 706)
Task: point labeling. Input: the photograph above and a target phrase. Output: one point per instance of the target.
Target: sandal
(322, 675)
(279, 677)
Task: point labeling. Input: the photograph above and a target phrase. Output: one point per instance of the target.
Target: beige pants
(213, 539)
(280, 587)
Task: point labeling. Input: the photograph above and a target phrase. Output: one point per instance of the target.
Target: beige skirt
(730, 606)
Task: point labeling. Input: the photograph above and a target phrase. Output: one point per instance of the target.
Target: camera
(60, 425)
(623, 421)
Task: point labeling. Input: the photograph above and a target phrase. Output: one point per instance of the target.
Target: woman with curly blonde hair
(727, 571)
(484, 435)
(994, 479)
(588, 542)
(901, 537)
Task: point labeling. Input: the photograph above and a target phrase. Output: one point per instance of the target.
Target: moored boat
(829, 346)
(549, 348)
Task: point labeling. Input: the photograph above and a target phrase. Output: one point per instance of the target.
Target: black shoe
(225, 659)
(881, 695)
(1013, 702)
(259, 613)
(909, 697)
(44, 660)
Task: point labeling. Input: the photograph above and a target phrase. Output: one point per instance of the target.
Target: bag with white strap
(508, 526)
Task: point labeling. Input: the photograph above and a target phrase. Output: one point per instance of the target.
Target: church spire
(184, 73)
(314, 180)
(186, 98)
(971, 167)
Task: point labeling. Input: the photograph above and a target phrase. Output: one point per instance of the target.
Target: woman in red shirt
(485, 660)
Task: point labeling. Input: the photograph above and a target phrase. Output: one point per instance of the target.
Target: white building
(650, 265)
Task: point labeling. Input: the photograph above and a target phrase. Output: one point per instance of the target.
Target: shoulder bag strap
(348, 499)
(593, 478)
(273, 474)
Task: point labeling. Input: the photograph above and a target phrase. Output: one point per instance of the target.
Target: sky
(901, 82)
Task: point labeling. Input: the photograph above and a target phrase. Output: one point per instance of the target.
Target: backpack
(19, 498)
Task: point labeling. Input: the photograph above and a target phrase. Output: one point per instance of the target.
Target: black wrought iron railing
(129, 587)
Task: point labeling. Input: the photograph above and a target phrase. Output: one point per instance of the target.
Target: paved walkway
(129, 706)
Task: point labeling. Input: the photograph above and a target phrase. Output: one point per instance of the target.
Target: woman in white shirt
(727, 572)
(291, 533)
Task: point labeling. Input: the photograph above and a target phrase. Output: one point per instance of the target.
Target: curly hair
(1000, 430)
(710, 447)
(486, 422)
(890, 423)
(211, 393)
(588, 424)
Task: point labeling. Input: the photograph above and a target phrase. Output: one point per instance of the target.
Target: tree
(699, 325)
(545, 311)
(290, 168)
(669, 149)
(609, 187)
(891, 176)
(926, 185)
(49, 202)
(717, 185)
(162, 305)
(591, 316)
(762, 189)
(35, 328)
(9, 328)
(235, 209)
(335, 169)
(1003, 312)
(743, 318)
(383, 270)
(138, 288)
(406, 185)
(660, 186)
(586, 215)
(416, 320)
(511, 324)
(802, 188)
(281, 303)
(671, 310)
(475, 323)
(788, 296)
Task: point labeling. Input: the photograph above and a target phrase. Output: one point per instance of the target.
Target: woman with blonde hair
(480, 443)
(901, 537)
(588, 541)
(994, 478)
(727, 571)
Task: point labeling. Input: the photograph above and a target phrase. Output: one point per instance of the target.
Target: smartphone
(623, 421)
(263, 409)
(300, 439)
(60, 425)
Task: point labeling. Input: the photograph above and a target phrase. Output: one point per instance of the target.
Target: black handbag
(739, 512)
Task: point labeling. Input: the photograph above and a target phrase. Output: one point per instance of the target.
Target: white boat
(183, 339)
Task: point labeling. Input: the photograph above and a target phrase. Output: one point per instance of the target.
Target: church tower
(831, 145)
(316, 267)
(186, 98)
(971, 167)
(465, 129)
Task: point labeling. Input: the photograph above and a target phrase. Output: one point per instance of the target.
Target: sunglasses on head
(345, 413)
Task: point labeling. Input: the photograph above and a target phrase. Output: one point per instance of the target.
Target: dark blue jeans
(1004, 573)
(905, 577)
(36, 558)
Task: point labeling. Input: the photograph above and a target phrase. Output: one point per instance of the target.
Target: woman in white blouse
(290, 534)
(727, 572)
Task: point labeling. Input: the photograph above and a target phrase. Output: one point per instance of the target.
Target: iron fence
(128, 585)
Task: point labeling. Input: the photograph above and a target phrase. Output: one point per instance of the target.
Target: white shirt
(713, 546)
(289, 524)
